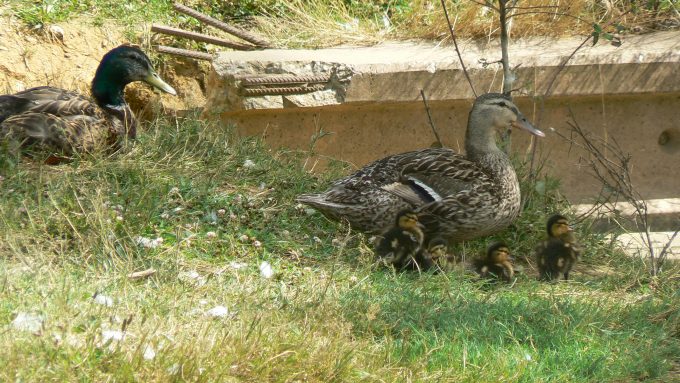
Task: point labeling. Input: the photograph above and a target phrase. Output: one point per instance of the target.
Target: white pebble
(217, 312)
(266, 270)
(28, 322)
(210, 234)
(103, 300)
(112, 335)
(149, 353)
(148, 242)
(192, 277)
(237, 265)
(248, 164)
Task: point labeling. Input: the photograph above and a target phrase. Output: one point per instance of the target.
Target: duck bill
(154, 80)
(523, 123)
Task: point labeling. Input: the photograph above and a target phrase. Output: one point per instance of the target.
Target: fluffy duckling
(438, 253)
(496, 264)
(558, 254)
(63, 122)
(401, 246)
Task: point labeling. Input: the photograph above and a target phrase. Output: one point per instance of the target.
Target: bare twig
(508, 77)
(613, 171)
(429, 117)
(551, 83)
(535, 7)
(546, 13)
(455, 44)
(487, 4)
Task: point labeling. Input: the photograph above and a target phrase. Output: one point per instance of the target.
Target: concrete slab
(634, 244)
(372, 102)
(663, 214)
(396, 71)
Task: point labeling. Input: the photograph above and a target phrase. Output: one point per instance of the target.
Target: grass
(317, 23)
(223, 205)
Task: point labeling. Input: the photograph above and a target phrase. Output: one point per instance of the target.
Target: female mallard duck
(54, 119)
(401, 246)
(496, 264)
(456, 197)
(558, 254)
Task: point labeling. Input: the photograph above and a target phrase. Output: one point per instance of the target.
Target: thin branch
(613, 172)
(429, 117)
(547, 13)
(548, 89)
(455, 44)
(535, 7)
(664, 250)
(485, 4)
(508, 79)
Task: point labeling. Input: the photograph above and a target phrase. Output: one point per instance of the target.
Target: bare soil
(30, 58)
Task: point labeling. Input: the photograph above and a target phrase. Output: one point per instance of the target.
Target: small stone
(149, 353)
(56, 32)
(103, 300)
(112, 335)
(28, 322)
(248, 164)
(221, 212)
(217, 312)
(266, 270)
(237, 265)
(210, 234)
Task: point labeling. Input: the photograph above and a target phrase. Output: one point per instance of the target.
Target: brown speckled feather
(56, 119)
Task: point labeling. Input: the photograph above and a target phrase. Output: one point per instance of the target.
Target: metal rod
(238, 32)
(284, 79)
(282, 90)
(184, 52)
(201, 37)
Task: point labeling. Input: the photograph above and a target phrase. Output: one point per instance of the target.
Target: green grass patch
(222, 205)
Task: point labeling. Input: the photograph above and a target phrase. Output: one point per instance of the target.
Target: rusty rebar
(184, 52)
(201, 37)
(281, 90)
(238, 32)
(284, 79)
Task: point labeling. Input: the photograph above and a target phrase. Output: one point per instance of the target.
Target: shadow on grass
(453, 324)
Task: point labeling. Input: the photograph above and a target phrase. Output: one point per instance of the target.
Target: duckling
(558, 254)
(496, 264)
(63, 122)
(438, 252)
(401, 245)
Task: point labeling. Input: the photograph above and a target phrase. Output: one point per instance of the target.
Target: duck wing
(435, 174)
(46, 99)
(47, 131)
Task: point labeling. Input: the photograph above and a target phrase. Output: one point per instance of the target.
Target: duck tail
(10, 105)
(317, 201)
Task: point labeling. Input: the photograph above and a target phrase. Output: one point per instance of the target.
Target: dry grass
(331, 22)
